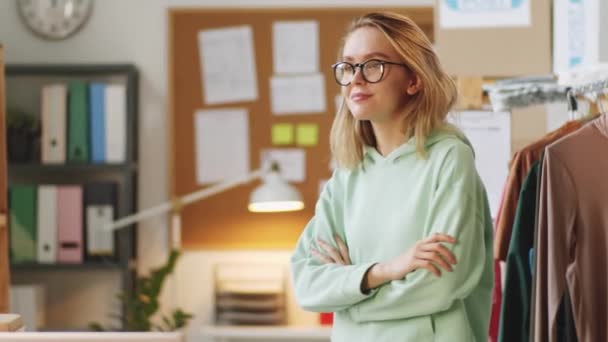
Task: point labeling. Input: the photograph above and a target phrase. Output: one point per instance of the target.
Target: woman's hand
(332, 255)
(429, 254)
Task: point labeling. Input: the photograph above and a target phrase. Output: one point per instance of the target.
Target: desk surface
(268, 333)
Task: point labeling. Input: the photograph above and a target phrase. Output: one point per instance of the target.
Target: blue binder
(98, 122)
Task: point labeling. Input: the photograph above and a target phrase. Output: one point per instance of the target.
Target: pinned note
(282, 134)
(295, 47)
(292, 162)
(297, 94)
(228, 65)
(307, 134)
(222, 144)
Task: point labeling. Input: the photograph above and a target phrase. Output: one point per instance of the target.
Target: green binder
(22, 221)
(78, 122)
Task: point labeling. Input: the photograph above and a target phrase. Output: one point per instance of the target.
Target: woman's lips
(359, 97)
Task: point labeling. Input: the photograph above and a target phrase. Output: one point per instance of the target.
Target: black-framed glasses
(371, 70)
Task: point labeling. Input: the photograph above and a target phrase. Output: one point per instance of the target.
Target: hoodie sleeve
(459, 208)
(326, 287)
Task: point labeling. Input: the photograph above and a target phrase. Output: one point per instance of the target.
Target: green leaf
(96, 327)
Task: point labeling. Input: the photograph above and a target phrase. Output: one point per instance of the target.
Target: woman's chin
(361, 115)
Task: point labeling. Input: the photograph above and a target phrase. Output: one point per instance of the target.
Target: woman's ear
(414, 85)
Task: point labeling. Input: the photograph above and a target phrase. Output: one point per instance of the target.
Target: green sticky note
(307, 134)
(282, 134)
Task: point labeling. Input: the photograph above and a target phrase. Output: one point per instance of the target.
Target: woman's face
(377, 102)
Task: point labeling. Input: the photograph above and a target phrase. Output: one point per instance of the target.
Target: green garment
(515, 310)
(381, 209)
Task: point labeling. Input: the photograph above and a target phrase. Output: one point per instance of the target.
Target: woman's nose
(358, 76)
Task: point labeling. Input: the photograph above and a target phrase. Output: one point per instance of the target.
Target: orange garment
(521, 163)
(572, 234)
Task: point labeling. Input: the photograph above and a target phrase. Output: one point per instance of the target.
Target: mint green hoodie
(381, 209)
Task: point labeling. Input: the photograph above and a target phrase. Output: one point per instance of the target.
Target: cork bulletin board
(223, 221)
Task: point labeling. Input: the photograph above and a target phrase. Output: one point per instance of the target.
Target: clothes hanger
(572, 104)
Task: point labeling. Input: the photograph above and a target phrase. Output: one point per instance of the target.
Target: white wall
(134, 31)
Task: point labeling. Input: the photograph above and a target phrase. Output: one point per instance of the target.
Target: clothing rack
(592, 87)
(588, 89)
(508, 96)
(513, 95)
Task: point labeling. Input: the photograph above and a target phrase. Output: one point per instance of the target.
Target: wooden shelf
(87, 266)
(75, 167)
(280, 333)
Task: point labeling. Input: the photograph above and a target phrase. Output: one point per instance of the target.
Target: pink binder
(69, 224)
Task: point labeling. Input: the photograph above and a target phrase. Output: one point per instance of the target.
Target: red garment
(496, 303)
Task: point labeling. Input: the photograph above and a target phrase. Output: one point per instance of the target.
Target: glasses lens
(344, 73)
(372, 70)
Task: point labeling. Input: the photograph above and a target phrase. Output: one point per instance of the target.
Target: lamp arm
(184, 200)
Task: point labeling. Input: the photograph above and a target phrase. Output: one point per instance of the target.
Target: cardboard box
(497, 51)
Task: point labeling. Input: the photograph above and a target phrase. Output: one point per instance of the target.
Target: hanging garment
(572, 234)
(521, 163)
(515, 311)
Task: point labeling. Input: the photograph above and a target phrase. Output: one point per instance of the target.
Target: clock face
(55, 19)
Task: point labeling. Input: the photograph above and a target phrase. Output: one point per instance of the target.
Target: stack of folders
(61, 223)
(83, 123)
(250, 294)
(28, 300)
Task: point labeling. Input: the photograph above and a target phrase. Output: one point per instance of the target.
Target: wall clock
(54, 19)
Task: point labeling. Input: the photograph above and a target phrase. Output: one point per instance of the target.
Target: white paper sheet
(292, 162)
(297, 94)
(490, 135)
(228, 65)
(475, 13)
(576, 34)
(295, 47)
(222, 144)
(557, 115)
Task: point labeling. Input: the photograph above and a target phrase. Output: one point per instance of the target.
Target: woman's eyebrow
(367, 56)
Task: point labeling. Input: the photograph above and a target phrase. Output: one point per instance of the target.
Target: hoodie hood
(372, 155)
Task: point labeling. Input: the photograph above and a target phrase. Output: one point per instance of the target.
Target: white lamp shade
(275, 195)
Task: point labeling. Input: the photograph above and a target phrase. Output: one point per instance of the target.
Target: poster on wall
(458, 14)
(576, 33)
(490, 135)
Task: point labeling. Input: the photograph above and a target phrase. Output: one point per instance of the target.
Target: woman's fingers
(343, 250)
(441, 249)
(321, 257)
(434, 258)
(440, 237)
(331, 251)
(430, 267)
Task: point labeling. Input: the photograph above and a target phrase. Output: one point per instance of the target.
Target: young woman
(400, 247)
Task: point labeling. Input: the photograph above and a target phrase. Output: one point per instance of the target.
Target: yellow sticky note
(307, 134)
(282, 134)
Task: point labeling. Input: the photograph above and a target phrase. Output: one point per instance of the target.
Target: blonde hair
(424, 111)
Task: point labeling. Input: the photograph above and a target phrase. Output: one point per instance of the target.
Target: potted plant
(144, 303)
(21, 134)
